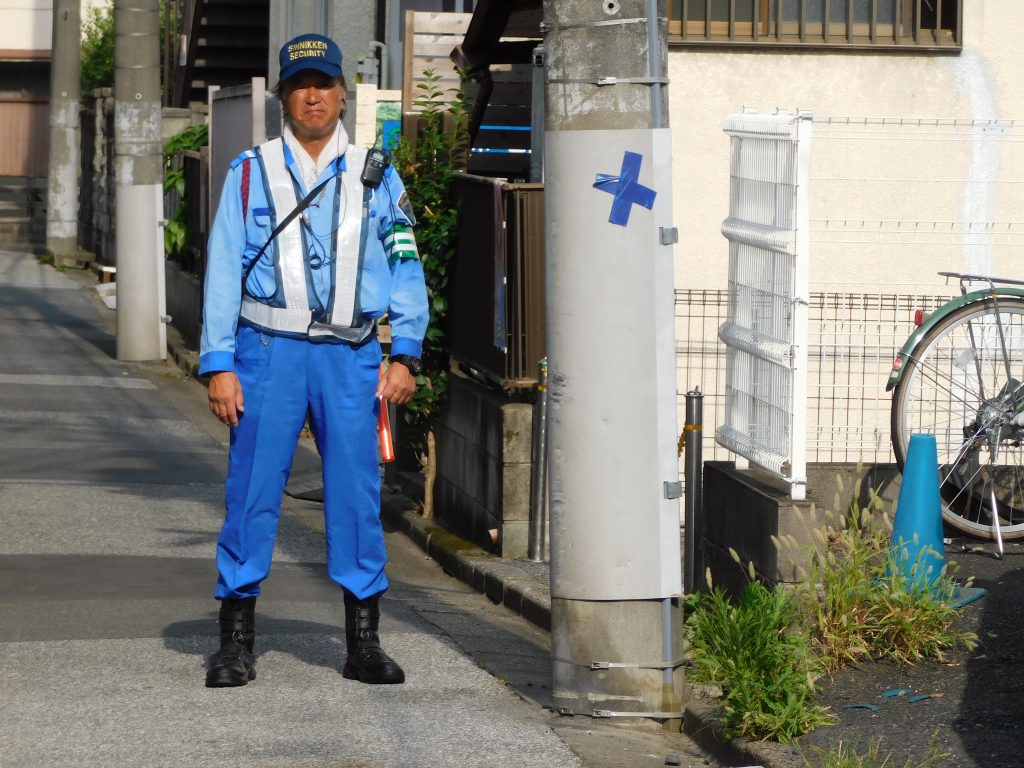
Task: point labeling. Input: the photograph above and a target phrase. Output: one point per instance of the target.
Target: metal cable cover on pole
(539, 479)
(693, 434)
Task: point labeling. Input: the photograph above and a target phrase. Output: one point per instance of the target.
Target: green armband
(400, 243)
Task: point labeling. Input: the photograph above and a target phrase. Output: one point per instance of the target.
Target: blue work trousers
(282, 380)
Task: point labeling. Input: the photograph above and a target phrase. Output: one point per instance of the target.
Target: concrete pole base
(67, 255)
(607, 661)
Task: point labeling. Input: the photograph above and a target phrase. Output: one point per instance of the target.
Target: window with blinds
(899, 24)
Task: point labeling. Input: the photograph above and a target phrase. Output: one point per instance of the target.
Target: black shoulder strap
(303, 204)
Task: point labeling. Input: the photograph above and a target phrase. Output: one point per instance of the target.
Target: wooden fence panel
(429, 38)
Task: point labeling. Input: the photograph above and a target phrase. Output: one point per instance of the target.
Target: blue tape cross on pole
(625, 189)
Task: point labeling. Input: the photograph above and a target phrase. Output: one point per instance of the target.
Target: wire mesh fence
(893, 202)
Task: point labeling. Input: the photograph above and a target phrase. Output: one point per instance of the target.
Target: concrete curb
(186, 359)
(703, 723)
(502, 581)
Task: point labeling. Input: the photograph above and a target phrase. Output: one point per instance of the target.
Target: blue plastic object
(917, 529)
(626, 190)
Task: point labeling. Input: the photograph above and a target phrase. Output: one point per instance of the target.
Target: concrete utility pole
(614, 493)
(65, 136)
(138, 171)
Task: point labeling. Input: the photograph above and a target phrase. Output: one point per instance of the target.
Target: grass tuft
(863, 600)
(764, 665)
(844, 756)
(860, 600)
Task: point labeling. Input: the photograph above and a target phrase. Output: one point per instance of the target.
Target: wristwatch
(414, 364)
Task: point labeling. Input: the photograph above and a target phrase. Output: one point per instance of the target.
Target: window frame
(907, 34)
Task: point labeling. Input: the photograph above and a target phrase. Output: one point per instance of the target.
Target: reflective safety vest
(288, 311)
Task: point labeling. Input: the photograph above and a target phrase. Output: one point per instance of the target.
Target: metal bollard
(539, 475)
(692, 472)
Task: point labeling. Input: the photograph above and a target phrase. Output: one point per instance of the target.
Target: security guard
(311, 244)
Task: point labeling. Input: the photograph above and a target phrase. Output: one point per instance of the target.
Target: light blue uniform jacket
(392, 285)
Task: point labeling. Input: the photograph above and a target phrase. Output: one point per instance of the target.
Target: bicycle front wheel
(963, 384)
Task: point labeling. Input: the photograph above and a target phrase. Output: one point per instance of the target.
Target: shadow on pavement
(319, 645)
(991, 718)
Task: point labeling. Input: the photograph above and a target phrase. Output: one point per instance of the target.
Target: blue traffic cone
(917, 530)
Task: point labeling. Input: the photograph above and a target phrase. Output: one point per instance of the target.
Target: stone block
(536, 611)
(517, 433)
(494, 588)
(515, 539)
(515, 493)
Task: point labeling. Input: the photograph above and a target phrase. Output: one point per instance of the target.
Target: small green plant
(864, 600)
(192, 138)
(844, 756)
(755, 651)
(859, 600)
(97, 67)
(428, 168)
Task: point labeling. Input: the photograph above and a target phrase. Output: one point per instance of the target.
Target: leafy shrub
(191, 138)
(428, 168)
(97, 63)
(859, 600)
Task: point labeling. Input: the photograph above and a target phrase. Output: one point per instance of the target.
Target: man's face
(313, 102)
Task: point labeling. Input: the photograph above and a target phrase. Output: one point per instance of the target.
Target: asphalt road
(110, 503)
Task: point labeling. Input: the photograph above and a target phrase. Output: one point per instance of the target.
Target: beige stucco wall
(982, 82)
(25, 25)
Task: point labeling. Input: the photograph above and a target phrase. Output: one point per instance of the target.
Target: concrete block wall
(743, 509)
(483, 467)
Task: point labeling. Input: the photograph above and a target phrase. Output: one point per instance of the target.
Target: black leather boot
(235, 663)
(366, 660)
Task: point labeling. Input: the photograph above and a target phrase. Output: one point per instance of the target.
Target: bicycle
(959, 377)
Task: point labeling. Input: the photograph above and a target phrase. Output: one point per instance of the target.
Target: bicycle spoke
(959, 385)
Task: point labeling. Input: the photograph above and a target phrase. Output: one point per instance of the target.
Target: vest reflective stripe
(288, 252)
(348, 243)
(276, 318)
(290, 257)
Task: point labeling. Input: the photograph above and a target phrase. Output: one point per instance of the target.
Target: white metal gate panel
(766, 330)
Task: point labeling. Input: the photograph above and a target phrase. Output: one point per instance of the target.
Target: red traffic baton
(387, 445)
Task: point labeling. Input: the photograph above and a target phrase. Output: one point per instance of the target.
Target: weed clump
(763, 663)
(860, 600)
(844, 756)
(863, 599)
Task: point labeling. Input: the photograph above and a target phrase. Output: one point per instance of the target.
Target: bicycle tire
(956, 387)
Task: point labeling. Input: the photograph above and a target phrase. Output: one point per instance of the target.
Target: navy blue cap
(310, 52)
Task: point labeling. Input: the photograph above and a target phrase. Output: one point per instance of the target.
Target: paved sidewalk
(111, 499)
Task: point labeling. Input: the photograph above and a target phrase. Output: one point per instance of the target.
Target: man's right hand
(226, 400)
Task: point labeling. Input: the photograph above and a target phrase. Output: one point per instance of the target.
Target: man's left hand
(397, 385)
